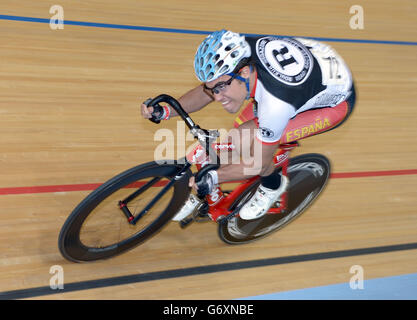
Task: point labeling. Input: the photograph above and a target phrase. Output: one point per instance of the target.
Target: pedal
(186, 222)
(199, 215)
(202, 214)
(229, 217)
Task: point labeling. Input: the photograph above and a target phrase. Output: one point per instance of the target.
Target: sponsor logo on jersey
(286, 59)
(329, 99)
(308, 130)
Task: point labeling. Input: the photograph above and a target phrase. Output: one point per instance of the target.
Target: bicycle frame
(220, 205)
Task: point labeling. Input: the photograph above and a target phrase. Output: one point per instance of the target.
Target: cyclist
(287, 80)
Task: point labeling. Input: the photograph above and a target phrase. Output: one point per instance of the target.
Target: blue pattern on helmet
(204, 61)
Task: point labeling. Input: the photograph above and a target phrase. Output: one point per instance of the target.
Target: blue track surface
(402, 287)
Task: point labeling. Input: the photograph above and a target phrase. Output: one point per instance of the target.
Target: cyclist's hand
(206, 185)
(155, 113)
(145, 110)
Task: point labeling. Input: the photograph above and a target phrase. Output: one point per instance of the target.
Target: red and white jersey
(294, 75)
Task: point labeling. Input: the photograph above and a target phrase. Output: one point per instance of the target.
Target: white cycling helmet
(219, 54)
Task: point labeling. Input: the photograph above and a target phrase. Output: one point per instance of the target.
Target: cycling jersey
(294, 75)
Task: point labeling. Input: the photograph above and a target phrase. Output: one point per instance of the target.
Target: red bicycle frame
(219, 203)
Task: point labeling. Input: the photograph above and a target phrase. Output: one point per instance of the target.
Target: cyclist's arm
(193, 100)
(252, 156)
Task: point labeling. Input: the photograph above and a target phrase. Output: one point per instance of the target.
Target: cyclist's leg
(272, 186)
(316, 121)
(350, 101)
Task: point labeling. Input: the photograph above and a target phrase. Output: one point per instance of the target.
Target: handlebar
(176, 106)
(204, 136)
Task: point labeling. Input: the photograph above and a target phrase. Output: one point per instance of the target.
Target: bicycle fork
(123, 203)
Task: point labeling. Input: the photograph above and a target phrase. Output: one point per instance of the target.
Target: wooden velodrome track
(69, 117)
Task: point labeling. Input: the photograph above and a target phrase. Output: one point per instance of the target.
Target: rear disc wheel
(308, 175)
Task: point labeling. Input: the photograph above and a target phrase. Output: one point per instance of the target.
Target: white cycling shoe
(262, 200)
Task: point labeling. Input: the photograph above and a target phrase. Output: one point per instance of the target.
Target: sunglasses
(220, 86)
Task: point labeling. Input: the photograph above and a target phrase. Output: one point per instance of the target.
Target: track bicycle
(133, 206)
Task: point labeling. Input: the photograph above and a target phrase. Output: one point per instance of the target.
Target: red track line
(92, 186)
(46, 189)
(373, 174)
